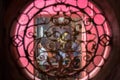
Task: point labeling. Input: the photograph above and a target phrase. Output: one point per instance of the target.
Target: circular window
(61, 39)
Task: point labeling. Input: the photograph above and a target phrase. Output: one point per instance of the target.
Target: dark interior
(10, 71)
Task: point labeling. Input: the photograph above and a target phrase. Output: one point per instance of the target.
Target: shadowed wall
(9, 9)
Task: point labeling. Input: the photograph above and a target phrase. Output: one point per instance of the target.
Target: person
(76, 49)
(42, 55)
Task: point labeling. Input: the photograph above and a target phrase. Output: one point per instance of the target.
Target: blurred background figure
(42, 54)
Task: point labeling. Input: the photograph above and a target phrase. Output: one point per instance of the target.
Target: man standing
(42, 56)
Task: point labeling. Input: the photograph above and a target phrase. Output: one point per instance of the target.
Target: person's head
(39, 45)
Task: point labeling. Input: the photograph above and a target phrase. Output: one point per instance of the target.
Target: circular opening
(61, 39)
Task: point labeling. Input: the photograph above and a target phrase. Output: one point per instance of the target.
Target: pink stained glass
(82, 3)
(89, 32)
(99, 19)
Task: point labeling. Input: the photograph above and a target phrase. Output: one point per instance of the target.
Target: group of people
(43, 54)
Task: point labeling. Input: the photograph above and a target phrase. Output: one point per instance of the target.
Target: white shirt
(42, 57)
